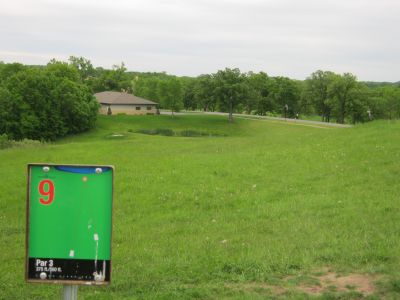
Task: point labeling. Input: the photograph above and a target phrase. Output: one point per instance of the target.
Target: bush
(45, 103)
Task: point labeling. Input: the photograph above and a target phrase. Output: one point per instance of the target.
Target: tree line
(333, 97)
(47, 102)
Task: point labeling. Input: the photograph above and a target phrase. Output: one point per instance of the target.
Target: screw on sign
(77, 200)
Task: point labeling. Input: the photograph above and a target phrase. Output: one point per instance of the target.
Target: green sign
(69, 222)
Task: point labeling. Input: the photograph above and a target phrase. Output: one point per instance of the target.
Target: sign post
(70, 292)
(69, 224)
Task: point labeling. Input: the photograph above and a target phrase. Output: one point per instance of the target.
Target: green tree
(170, 94)
(62, 70)
(358, 103)
(260, 87)
(285, 94)
(116, 79)
(78, 106)
(11, 107)
(87, 72)
(390, 95)
(341, 90)
(230, 90)
(189, 99)
(204, 92)
(8, 70)
(316, 91)
(146, 87)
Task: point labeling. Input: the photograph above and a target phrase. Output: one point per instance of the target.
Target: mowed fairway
(259, 210)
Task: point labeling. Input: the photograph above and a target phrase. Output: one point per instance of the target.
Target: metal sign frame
(105, 280)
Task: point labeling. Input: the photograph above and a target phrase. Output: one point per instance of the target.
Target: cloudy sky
(190, 37)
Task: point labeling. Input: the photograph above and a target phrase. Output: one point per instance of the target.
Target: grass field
(250, 210)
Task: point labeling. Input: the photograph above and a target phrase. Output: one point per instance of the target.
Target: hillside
(249, 210)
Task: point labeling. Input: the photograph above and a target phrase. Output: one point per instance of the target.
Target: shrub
(45, 103)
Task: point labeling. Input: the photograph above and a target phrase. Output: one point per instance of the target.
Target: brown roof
(120, 98)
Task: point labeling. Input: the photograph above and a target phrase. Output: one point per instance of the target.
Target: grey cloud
(281, 37)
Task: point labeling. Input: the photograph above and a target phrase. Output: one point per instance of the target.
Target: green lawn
(257, 210)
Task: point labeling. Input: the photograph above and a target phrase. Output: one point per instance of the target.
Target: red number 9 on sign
(46, 189)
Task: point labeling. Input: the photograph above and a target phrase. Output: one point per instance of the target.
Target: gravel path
(255, 117)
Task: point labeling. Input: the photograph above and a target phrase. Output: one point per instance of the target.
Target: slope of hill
(250, 210)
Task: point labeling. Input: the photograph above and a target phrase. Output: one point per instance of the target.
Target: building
(123, 103)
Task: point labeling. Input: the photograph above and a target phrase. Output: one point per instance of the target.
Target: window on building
(149, 107)
(138, 107)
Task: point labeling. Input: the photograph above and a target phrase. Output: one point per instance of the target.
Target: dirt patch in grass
(331, 281)
(317, 285)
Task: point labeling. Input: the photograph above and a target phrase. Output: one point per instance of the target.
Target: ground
(210, 210)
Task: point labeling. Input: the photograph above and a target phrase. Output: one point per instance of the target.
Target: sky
(290, 38)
